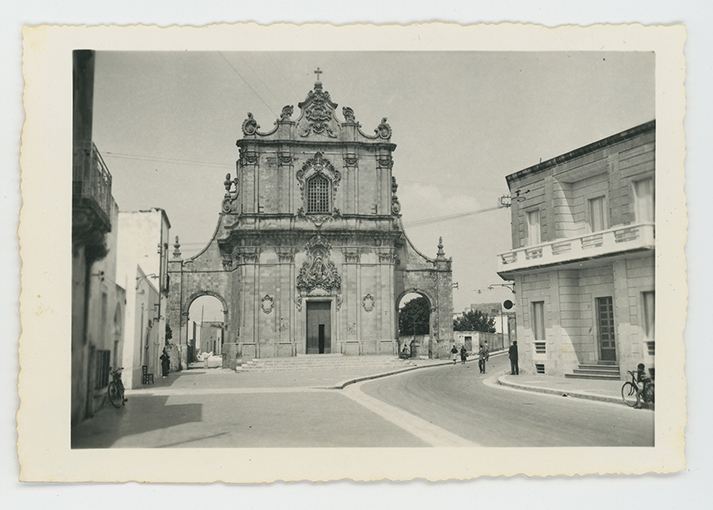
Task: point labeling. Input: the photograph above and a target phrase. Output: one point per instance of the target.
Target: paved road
(458, 399)
(441, 406)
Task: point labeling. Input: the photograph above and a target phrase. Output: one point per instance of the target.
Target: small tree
(415, 314)
(474, 320)
(169, 333)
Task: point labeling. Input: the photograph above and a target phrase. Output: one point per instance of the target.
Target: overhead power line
(428, 221)
(246, 83)
(163, 160)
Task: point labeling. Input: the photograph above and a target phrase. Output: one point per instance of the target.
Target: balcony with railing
(596, 244)
(91, 183)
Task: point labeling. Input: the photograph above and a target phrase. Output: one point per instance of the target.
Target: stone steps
(322, 362)
(603, 371)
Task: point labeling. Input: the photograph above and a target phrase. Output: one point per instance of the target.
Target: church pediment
(317, 117)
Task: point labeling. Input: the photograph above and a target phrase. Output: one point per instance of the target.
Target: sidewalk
(592, 389)
(220, 378)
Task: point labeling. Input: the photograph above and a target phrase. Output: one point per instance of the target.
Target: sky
(166, 124)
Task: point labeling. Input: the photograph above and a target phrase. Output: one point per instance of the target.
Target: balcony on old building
(623, 238)
(91, 186)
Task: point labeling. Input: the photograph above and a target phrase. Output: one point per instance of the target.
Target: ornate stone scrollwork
(318, 271)
(394, 186)
(287, 112)
(230, 196)
(321, 165)
(298, 302)
(268, 303)
(247, 157)
(351, 159)
(227, 261)
(285, 254)
(384, 161)
(250, 125)
(348, 115)
(368, 303)
(383, 130)
(351, 257)
(318, 109)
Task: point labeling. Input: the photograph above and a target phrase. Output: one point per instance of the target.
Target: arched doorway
(414, 324)
(205, 330)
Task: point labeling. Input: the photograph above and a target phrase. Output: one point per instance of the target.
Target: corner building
(583, 258)
(309, 255)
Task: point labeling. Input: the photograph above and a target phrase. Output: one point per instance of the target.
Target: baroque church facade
(309, 255)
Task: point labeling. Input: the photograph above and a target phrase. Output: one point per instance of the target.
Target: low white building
(142, 263)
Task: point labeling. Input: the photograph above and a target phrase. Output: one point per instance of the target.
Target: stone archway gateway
(309, 255)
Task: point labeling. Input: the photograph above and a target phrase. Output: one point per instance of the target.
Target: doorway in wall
(605, 329)
(319, 327)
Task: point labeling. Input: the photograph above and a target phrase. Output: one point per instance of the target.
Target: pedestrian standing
(165, 363)
(454, 353)
(481, 358)
(463, 354)
(512, 354)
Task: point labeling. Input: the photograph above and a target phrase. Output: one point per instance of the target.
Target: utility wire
(428, 221)
(246, 83)
(260, 79)
(297, 96)
(162, 160)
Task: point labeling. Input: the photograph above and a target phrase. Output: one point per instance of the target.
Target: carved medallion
(368, 303)
(268, 304)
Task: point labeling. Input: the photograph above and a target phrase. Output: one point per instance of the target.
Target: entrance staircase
(337, 362)
(602, 371)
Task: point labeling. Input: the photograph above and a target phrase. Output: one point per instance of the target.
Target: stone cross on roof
(318, 72)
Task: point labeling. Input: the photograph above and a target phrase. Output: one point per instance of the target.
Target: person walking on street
(512, 354)
(463, 354)
(165, 363)
(483, 356)
(454, 353)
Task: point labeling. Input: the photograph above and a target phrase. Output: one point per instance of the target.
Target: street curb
(344, 384)
(562, 393)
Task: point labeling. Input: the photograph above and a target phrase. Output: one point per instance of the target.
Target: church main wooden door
(319, 327)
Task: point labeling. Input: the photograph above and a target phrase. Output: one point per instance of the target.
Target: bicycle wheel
(115, 394)
(629, 394)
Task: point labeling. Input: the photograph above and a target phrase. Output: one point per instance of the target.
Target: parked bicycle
(631, 392)
(116, 388)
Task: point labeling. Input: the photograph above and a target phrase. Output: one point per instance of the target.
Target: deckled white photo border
(45, 235)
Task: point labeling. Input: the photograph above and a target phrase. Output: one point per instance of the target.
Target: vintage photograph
(439, 254)
(325, 249)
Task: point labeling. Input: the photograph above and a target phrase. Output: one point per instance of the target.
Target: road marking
(422, 429)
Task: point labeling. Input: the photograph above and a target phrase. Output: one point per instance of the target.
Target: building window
(101, 367)
(644, 200)
(538, 326)
(533, 228)
(597, 215)
(540, 368)
(318, 194)
(649, 302)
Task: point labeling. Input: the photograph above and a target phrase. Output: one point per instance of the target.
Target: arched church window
(318, 194)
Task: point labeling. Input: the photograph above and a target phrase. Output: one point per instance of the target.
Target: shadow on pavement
(139, 415)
